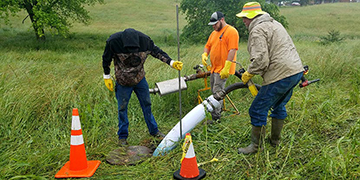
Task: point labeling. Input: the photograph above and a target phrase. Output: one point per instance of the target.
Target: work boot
(159, 135)
(276, 127)
(122, 142)
(257, 135)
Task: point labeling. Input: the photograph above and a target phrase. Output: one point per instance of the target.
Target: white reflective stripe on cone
(77, 140)
(75, 125)
(190, 153)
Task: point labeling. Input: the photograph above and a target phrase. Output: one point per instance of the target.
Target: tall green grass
(318, 20)
(42, 81)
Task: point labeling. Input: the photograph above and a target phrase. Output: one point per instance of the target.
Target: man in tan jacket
(273, 56)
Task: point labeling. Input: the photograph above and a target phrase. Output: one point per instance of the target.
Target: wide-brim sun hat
(250, 10)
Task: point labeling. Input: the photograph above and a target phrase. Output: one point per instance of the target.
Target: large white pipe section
(194, 117)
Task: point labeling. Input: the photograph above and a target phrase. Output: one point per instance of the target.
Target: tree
(198, 14)
(304, 2)
(54, 15)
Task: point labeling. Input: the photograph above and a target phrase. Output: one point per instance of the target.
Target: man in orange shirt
(222, 45)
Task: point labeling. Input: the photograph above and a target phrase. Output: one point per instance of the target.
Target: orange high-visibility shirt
(220, 43)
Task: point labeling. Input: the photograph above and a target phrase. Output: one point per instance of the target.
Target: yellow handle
(208, 68)
(252, 88)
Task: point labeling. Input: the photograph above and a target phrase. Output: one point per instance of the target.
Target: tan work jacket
(273, 54)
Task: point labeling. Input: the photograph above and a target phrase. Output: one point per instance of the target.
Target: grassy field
(42, 81)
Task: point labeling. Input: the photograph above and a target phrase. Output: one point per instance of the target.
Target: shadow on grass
(26, 41)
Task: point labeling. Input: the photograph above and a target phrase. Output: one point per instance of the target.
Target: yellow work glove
(176, 65)
(224, 73)
(246, 77)
(108, 82)
(204, 58)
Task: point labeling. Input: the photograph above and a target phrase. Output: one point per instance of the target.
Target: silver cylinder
(169, 86)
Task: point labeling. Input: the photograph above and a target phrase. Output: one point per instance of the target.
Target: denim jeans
(273, 97)
(123, 94)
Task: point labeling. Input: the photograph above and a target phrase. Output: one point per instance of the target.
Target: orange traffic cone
(78, 166)
(189, 168)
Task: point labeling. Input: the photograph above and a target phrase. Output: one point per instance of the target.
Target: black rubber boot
(276, 127)
(257, 136)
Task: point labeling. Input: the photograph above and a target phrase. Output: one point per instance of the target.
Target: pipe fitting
(211, 103)
(154, 90)
(220, 95)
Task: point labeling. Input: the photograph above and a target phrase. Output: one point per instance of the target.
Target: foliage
(198, 13)
(332, 37)
(304, 2)
(53, 15)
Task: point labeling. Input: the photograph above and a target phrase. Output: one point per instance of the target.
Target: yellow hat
(250, 10)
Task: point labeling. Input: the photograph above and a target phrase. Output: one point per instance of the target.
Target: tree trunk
(29, 8)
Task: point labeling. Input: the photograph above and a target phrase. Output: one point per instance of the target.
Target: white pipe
(195, 116)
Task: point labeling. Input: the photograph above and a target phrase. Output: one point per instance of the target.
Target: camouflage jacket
(129, 50)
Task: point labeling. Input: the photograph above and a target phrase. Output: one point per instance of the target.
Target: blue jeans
(123, 94)
(273, 97)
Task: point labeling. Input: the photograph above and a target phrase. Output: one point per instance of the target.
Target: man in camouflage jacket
(129, 50)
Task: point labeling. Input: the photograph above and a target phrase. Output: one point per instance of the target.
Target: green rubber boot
(276, 127)
(257, 135)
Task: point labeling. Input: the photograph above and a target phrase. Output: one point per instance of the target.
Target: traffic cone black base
(202, 174)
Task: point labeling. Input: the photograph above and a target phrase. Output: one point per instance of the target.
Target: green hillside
(40, 83)
(317, 20)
